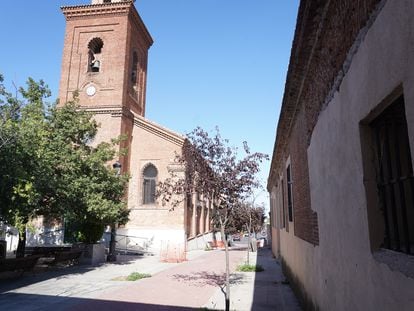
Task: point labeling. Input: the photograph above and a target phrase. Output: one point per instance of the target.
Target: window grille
(395, 181)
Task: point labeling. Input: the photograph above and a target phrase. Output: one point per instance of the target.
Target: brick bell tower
(105, 59)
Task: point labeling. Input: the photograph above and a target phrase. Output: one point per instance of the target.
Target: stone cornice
(101, 109)
(118, 111)
(116, 8)
(115, 111)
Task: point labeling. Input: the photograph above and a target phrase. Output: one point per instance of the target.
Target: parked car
(236, 237)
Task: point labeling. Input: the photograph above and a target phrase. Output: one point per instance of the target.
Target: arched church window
(149, 182)
(94, 49)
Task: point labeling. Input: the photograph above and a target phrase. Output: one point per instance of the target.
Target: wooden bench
(70, 257)
(18, 264)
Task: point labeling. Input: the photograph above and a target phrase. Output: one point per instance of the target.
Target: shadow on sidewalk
(271, 290)
(11, 281)
(203, 278)
(28, 302)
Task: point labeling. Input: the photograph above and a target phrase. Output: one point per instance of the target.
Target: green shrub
(250, 268)
(134, 276)
(83, 231)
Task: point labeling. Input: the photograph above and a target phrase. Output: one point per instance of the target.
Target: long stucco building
(341, 179)
(105, 60)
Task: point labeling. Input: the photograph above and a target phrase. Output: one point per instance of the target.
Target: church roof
(159, 130)
(139, 121)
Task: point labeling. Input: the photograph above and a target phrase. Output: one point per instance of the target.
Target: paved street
(192, 285)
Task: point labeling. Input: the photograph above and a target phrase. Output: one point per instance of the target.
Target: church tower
(105, 60)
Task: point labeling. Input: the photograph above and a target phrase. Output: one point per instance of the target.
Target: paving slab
(196, 284)
(258, 291)
(64, 286)
(185, 286)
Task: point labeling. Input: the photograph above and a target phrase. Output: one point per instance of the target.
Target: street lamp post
(112, 243)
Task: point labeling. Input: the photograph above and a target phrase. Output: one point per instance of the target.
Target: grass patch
(134, 276)
(250, 268)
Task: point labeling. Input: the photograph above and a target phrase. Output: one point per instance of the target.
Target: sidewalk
(192, 285)
(260, 291)
(184, 287)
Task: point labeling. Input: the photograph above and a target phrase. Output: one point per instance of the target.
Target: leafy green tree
(23, 125)
(88, 191)
(9, 107)
(48, 165)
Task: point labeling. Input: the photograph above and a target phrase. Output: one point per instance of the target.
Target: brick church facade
(105, 60)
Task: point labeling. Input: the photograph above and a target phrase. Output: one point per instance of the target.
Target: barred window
(394, 176)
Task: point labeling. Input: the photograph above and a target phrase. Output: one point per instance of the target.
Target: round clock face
(90, 90)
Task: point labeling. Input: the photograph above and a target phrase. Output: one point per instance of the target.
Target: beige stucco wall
(341, 273)
(274, 241)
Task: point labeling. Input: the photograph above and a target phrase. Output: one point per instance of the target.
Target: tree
(23, 136)
(92, 192)
(215, 170)
(52, 169)
(9, 108)
(247, 217)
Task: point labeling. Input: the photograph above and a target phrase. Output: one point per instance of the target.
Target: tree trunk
(22, 245)
(248, 245)
(249, 241)
(226, 248)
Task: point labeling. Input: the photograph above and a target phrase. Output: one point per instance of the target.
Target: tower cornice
(80, 11)
(109, 9)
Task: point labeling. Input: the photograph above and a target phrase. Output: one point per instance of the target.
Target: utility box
(3, 248)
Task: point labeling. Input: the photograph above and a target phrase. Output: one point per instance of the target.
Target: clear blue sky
(213, 62)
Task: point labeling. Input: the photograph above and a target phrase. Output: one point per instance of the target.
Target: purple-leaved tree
(218, 172)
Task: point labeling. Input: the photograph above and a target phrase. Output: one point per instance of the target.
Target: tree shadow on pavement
(204, 278)
(17, 301)
(13, 280)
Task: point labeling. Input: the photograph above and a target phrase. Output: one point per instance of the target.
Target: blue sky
(213, 62)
